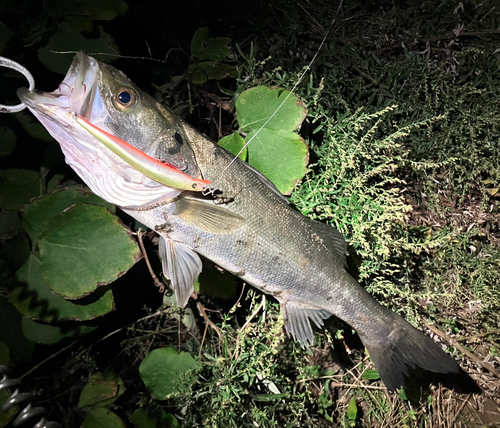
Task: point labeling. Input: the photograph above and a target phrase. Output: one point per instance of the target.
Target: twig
(262, 303)
(201, 309)
(464, 351)
(157, 282)
(383, 388)
(47, 359)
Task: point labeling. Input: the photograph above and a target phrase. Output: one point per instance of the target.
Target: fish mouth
(75, 94)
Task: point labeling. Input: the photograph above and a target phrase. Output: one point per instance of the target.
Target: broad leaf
(102, 418)
(83, 248)
(162, 370)
(143, 418)
(101, 390)
(270, 120)
(39, 213)
(209, 48)
(34, 299)
(47, 334)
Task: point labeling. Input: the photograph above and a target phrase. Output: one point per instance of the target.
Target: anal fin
(181, 265)
(298, 321)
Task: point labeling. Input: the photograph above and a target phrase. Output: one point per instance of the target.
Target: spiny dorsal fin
(297, 321)
(333, 239)
(181, 265)
(207, 216)
(264, 180)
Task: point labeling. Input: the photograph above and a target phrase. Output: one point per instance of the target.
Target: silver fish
(247, 227)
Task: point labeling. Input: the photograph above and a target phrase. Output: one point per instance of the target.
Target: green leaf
(102, 418)
(18, 187)
(11, 331)
(352, 409)
(4, 354)
(98, 10)
(46, 334)
(101, 390)
(234, 143)
(143, 418)
(200, 72)
(67, 38)
(39, 213)
(162, 370)
(213, 49)
(277, 150)
(371, 375)
(7, 136)
(34, 299)
(83, 248)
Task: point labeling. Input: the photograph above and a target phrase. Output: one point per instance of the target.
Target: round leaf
(39, 213)
(83, 248)
(102, 418)
(274, 148)
(101, 390)
(46, 334)
(143, 418)
(211, 48)
(162, 370)
(34, 299)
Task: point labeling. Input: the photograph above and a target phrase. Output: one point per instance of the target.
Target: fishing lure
(158, 170)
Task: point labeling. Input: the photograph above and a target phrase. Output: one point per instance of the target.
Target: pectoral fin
(181, 265)
(298, 321)
(208, 217)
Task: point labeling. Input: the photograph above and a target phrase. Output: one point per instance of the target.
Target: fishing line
(8, 63)
(301, 77)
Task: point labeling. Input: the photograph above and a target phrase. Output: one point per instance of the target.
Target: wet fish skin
(250, 230)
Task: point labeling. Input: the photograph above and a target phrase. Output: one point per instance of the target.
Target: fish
(242, 223)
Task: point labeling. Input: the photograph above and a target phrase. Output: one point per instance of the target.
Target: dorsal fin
(264, 180)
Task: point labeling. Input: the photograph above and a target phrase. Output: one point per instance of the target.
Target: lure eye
(125, 98)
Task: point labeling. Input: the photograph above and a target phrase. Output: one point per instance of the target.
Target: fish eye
(125, 98)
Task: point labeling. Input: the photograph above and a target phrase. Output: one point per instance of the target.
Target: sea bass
(242, 223)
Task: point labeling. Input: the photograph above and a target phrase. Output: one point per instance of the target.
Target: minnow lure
(157, 170)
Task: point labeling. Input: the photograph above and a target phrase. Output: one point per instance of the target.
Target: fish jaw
(107, 175)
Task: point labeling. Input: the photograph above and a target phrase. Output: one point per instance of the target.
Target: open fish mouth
(107, 175)
(75, 93)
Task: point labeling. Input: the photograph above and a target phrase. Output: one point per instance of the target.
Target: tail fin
(404, 349)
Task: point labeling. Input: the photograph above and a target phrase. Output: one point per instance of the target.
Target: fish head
(105, 97)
